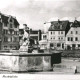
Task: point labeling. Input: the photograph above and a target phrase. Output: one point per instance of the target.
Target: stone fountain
(21, 60)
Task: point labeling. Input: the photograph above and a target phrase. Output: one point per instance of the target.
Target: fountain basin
(23, 61)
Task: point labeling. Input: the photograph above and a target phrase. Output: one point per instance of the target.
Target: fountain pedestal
(23, 61)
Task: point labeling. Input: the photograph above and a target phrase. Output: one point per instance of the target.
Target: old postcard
(40, 39)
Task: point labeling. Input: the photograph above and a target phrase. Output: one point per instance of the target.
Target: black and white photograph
(39, 37)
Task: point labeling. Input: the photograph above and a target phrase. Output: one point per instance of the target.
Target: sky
(35, 12)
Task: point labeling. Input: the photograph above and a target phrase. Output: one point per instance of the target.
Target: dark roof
(75, 24)
(21, 29)
(58, 25)
(5, 19)
(34, 31)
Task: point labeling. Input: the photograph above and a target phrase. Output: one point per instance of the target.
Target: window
(71, 32)
(5, 39)
(15, 32)
(44, 37)
(59, 38)
(10, 25)
(58, 44)
(5, 31)
(51, 32)
(11, 20)
(11, 39)
(76, 38)
(51, 45)
(71, 38)
(63, 45)
(76, 32)
(78, 45)
(68, 38)
(51, 38)
(61, 32)
(10, 32)
(15, 39)
(5, 24)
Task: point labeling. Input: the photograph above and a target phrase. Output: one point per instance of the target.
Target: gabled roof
(75, 24)
(58, 25)
(5, 19)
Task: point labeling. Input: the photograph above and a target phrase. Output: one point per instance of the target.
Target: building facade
(9, 32)
(57, 33)
(43, 43)
(73, 36)
(35, 34)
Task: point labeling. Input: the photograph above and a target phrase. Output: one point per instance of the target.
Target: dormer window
(11, 20)
(52, 26)
(71, 32)
(60, 26)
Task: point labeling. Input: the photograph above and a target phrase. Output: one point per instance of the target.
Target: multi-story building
(44, 36)
(35, 34)
(57, 32)
(43, 43)
(9, 32)
(73, 36)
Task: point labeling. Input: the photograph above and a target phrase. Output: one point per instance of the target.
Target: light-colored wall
(55, 36)
(73, 35)
(45, 34)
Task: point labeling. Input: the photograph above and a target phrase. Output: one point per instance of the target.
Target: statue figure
(25, 42)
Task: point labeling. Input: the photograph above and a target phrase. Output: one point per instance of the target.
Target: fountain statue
(24, 42)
